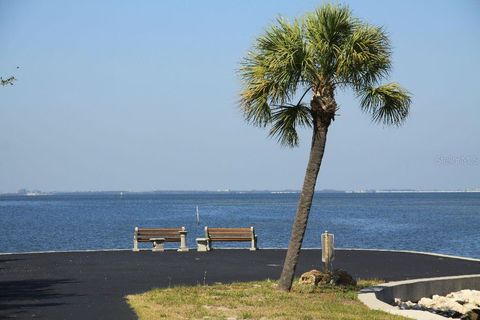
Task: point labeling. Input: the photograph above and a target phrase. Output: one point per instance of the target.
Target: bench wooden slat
(221, 236)
(213, 228)
(145, 236)
(159, 230)
(155, 233)
(229, 229)
(166, 240)
(229, 233)
(150, 240)
(231, 239)
(158, 235)
(152, 230)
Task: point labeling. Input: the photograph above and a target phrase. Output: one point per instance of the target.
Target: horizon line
(36, 192)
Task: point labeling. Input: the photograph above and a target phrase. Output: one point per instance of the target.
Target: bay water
(446, 223)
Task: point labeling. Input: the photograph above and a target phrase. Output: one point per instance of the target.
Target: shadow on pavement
(6, 261)
(19, 296)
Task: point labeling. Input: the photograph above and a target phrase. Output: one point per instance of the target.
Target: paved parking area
(92, 285)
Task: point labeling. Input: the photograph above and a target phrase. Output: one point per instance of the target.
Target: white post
(208, 239)
(183, 241)
(135, 242)
(328, 251)
(254, 240)
(198, 217)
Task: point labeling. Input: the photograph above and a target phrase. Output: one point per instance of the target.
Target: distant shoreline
(122, 193)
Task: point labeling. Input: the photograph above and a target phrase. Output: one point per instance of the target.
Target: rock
(464, 304)
(473, 314)
(338, 277)
(313, 277)
(460, 302)
(406, 305)
(466, 297)
(342, 278)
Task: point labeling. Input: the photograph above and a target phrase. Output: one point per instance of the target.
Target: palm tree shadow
(17, 297)
(6, 261)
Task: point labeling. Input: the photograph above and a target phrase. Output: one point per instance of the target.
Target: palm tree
(326, 50)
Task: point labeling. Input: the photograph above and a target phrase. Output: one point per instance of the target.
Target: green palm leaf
(364, 57)
(272, 72)
(326, 49)
(326, 30)
(285, 120)
(388, 104)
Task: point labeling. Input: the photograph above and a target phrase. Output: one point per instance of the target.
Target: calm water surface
(435, 222)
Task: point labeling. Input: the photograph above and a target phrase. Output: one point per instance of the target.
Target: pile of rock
(337, 277)
(464, 304)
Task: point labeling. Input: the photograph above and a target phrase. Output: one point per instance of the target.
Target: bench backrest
(229, 234)
(169, 234)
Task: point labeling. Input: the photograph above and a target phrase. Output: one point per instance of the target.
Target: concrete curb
(442, 255)
(428, 286)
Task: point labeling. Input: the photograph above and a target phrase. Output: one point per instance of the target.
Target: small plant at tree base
(321, 52)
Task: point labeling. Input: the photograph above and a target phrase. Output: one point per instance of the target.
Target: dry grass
(253, 300)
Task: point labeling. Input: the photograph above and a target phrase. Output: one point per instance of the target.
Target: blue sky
(141, 95)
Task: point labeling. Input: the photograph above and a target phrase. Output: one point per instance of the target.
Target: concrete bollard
(328, 251)
(183, 241)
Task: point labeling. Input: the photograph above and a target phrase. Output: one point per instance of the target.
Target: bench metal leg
(135, 245)
(254, 244)
(183, 241)
(203, 245)
(158, 245)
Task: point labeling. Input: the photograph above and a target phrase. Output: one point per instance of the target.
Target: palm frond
(365, 56)
(256, 110)
(285, 119)
(330, 24)
(272, 71)
(326, 30)
(388, 104)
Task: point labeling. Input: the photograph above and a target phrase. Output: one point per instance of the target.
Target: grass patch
(254, 300)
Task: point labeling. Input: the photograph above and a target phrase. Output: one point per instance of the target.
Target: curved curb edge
(442, 255)
(368, 297)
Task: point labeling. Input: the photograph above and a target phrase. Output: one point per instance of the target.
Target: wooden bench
(158, 236)
(227, 235)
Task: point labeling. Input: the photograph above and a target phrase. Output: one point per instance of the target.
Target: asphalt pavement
(92, 285)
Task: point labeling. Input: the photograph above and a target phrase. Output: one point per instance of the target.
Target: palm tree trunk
(305, 203)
